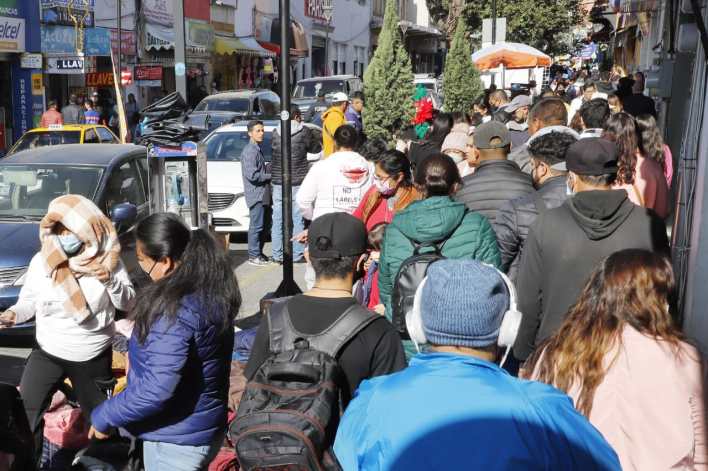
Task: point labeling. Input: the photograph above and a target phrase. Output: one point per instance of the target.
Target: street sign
(31, 61)
(487, 31)
(65, 65)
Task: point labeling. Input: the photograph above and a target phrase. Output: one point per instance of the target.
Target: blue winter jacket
(178, 382)
(450, 412)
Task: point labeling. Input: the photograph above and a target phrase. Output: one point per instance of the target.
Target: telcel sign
(12, 34)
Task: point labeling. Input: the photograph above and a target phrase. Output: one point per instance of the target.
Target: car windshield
(227, 146)
(47, 138)
(235, 105)
(312, 88)
(27, 190)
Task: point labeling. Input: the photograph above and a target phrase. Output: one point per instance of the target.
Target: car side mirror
(124, 214)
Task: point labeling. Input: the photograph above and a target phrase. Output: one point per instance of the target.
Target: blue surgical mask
(70, 244)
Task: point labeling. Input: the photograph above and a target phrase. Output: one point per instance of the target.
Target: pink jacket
(650, 405)
(650, 184)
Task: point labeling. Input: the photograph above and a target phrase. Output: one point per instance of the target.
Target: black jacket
(565, 245)
(638, 104)
(516, 216)
(421, 149)
(302, 141)
(492, 184)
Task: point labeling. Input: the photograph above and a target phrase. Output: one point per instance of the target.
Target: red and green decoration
(423, 111)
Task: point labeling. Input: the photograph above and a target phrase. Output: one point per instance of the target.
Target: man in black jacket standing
(303, 140)
(516, 216)
(565, 244)
(496, 180)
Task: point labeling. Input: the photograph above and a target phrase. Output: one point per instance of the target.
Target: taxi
(64, 134)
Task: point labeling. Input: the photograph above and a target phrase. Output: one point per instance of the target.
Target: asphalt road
(254, 282)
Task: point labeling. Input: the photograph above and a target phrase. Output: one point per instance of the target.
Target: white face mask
(384, 187)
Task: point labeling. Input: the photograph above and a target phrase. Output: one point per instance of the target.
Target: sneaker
(258, 262)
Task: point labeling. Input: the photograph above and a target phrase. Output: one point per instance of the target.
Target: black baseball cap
(485, 133)
(591, 156)
(336, 235)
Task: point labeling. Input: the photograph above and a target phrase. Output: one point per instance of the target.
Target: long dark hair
(395, 163)
(629, 288)
(651, 143)
(442, 125)
(621, 129)
(437, 175)
(202, 269)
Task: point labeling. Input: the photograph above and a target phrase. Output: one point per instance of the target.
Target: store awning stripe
(224, 45)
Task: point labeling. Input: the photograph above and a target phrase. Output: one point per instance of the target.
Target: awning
(511, 56)
(244, 46)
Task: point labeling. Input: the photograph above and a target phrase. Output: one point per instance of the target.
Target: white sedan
(224, 179)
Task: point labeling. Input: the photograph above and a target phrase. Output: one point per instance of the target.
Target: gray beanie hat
(463, 304)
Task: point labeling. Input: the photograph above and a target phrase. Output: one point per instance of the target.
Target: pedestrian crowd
(495, 295)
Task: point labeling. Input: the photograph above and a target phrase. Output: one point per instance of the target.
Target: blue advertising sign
(23, 117)
(62, 40)
(188, 149)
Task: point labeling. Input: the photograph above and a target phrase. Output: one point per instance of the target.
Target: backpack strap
(337, 335)
(283, 335)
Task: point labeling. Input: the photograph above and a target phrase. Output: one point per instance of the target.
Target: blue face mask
(70, 244)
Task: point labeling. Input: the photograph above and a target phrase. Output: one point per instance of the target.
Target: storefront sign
(315, 9)
(65, 65)
(99, 79)
(31, 61)
(159, 12)
(158, 37)
(148, 72)
(37, 86)
(26, 107)
(9, 8)
(62, 40)
(67, 12)
(128, 42)
(200, 36)
(12, 34)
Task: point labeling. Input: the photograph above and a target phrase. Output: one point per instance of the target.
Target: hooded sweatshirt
(337, 184)
(563, 248)
(331, 120)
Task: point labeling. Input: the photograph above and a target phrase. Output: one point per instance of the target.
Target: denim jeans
(276, 232)
(255, 230)
(162, 456)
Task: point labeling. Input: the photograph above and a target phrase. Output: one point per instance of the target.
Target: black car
(114, 176)
(227, 107)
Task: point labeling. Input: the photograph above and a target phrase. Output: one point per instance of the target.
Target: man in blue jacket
(454, 408)
(256, 177)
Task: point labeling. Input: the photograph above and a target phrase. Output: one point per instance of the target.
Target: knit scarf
(101, 248)
(405, 197)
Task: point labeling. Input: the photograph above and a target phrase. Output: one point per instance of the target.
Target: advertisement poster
(9, 8)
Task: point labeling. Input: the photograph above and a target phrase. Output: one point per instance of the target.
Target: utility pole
(180, 54)
(287, 286)
(119, 21)
(494, 21)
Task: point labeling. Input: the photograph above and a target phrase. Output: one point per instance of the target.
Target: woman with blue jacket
(180, 351)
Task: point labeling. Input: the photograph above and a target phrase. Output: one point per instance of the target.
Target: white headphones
(508, 330)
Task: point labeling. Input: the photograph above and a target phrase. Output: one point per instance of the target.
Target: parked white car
(227, 203)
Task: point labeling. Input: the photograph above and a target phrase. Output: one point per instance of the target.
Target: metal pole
(119, 20)
(326, 71)
(180, 54)
(288, 286)
(494, 32)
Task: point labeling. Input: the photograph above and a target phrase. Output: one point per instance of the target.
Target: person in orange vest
(331, 120)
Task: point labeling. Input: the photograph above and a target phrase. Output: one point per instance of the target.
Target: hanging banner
(159, 12)
(67, 12)
(62, 40)
(128, 42)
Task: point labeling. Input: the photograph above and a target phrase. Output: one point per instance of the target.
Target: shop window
(343, 67)
(335, 70)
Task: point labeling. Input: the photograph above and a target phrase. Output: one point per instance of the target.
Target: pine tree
(388, 82)
(461, 80)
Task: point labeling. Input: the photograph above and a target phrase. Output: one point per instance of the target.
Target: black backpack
(411, 274)
(290, 410)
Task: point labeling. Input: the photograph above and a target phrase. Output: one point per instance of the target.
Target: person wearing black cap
(496, 180)
(516, 216)
(336, 242)
(565, 244)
